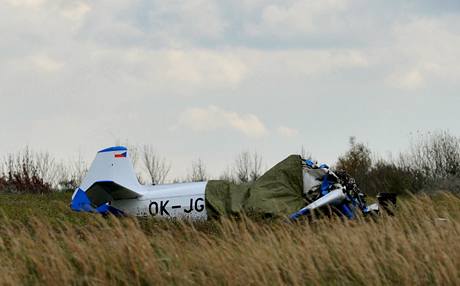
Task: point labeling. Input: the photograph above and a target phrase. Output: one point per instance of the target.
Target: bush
(434, 155)
(21, 174)
(356, 162)
(388, 177)
(432, 162)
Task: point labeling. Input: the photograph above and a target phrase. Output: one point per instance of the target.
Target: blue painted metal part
(81, 203)
(299, 213)
(115, 211)
(102, 209)
(325, 186)
(345, 209)
(114, 148)
(324, 191)
(309, 163)
(356, 203)
(105, 209)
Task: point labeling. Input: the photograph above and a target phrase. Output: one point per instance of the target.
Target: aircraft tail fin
(110, 177)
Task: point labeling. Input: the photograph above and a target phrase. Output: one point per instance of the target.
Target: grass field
(43, 242)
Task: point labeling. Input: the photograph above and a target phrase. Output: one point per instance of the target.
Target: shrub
(435, 155)
(432, 162)
(356, 162)
(21, 174)
(386, 176)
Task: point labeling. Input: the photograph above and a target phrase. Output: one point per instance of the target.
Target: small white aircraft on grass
(111, 186)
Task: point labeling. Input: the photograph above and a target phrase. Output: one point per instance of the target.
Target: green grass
(53, 208)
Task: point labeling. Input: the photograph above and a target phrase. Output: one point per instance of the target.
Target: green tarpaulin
(277, 193)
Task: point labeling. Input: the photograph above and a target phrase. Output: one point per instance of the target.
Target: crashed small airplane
(293, 188)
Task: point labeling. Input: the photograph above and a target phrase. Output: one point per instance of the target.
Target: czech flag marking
(121, 155)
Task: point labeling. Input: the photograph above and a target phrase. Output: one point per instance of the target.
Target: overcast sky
(208, 79)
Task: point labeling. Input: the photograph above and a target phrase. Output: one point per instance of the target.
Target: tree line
(431, 162)
(30, 171)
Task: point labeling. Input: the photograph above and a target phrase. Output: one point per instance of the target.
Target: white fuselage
(185, 200)
(111, 180)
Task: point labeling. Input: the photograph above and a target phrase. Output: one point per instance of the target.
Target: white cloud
(307, 64)
(183, 71)
(195, 69)
(26, 3)
(409, 80)
(204, 67)
(75, 11)
(163, 24)
(199, 18)
(45, 63)
(296, 18)
(212, 118)
(415, 78)
(287, 131)
(424, 52)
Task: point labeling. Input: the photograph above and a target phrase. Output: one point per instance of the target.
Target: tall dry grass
(420, 245)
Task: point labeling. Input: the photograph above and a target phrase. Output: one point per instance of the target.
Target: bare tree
(242, 166)
(22, 174)
(156, 166)
(47, 168)
(22, 162)
(248, 167)
(71, 175)
(435, 155)
(305, 154)
(40, 164)
(256, 167)
(79, 169)
(199, 172)
(228, 175)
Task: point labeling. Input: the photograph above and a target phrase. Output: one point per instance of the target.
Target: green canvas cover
(277, 193)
